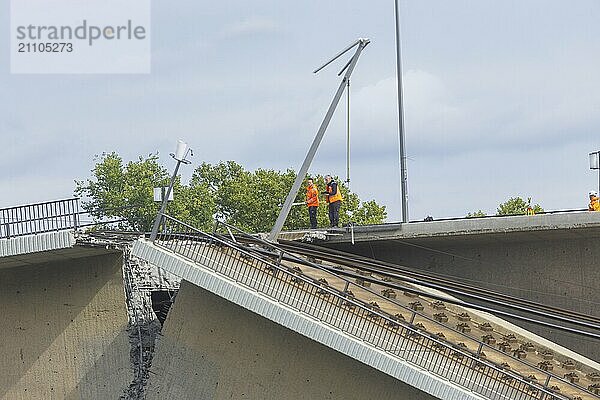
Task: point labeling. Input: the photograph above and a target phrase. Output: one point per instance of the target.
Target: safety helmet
(593, 193)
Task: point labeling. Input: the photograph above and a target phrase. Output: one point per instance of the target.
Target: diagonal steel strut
(287, 205)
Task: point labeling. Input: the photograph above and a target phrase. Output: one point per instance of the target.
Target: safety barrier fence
(342, 310)
(39, 218)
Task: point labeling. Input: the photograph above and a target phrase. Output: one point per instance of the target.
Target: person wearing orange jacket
(334, 199)
(312, 201)
(594, 202)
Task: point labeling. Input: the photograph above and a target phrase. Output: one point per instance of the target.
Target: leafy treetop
(516, 205)
(250, 200)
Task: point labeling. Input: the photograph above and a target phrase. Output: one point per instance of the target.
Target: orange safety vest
(312, 196)
(529, 211)
(336, 197)
(594, 204)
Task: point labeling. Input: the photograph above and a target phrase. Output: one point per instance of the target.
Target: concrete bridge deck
(568, 225)
(64, 331)
(246, 327)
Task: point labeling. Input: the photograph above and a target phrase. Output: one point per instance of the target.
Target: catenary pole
(401, 147)
(179, 156)
(287, 205)
(348, 136)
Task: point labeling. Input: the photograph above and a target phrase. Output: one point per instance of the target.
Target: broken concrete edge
(588, 364)
(57, 240)
(142, 338)
(106, 239)
(310, 235)
(306, 235)
(303, 324)
(140, 279)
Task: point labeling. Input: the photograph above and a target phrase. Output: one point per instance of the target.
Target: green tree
(369, 213)
(516, 205)
(475, 214)
(192, 204)
(119, 190)
(252, 200)
(105, 189)
(126, 191)
(249, 200)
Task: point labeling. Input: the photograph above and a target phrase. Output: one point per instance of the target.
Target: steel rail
(462, 289)
(467, 304)
(450, 300)
(444, 284)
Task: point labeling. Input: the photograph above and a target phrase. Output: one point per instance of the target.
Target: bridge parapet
(540, 226)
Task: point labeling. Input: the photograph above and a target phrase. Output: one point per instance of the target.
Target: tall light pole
(401, 149)
(595, 164)
(179, 156)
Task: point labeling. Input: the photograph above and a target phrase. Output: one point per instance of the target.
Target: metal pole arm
(341, 53)
(362, 43)
(163, 207)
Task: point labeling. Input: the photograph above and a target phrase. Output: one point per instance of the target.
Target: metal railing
(39, 218)
(368, 322)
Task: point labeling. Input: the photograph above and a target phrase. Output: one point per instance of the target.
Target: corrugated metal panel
(324, 334)
(36, 243)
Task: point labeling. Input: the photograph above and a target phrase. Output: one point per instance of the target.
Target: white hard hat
(593, 193)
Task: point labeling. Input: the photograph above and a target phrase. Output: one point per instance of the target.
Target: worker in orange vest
(594, 203)
(334, 199)
(312, 201)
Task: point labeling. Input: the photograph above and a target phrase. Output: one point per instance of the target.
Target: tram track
(399, 272)
(444, 284)
(441, 283)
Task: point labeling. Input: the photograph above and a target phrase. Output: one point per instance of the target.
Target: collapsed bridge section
(383, 334)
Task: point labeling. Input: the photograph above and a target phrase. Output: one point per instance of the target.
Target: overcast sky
(502, 98)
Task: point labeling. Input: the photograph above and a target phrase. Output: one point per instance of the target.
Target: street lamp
(595, 164)
(179, 156)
